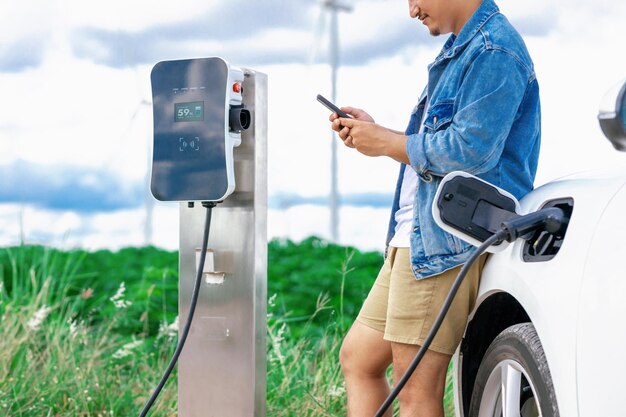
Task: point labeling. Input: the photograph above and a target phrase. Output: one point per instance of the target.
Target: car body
(572, 303)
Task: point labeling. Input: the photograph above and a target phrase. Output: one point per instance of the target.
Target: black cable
(192, 309)
(500, 235)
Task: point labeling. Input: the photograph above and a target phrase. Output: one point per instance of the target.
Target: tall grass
(303, 376)
(307, 369)
(57, 362)
(86, 337)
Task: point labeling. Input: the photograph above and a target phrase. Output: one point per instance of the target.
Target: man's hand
(372, 139)
(358, 114)
(344, 132)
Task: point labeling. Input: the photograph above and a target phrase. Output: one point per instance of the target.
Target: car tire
(514, 375)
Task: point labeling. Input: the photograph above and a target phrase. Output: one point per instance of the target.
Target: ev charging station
(210, 146)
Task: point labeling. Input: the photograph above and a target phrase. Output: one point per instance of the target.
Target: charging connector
(550, 219)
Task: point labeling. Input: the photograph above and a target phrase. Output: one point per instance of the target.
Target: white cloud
(26, 19)
(132, 16)
(75, 112)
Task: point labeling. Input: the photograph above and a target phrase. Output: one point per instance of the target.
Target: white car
(548, 334)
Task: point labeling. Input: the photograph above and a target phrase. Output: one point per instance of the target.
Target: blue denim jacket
(483, 118)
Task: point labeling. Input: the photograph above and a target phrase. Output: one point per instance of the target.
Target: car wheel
(514, 379)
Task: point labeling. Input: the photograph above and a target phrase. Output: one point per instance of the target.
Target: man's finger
(348, 109)
(349, 123)
(336, 125)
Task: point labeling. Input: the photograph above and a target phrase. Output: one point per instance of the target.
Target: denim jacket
(483, 118)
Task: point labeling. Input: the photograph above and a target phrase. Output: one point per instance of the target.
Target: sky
(76, 120)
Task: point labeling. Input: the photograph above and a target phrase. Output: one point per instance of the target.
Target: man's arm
(488, 100)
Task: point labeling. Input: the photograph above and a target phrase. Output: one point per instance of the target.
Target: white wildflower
(337, 390)
(278, 357)
(170, 331)
(280, 333)
(276, 341)
(272, 301)
(41, 314)
(73, 328)
(118, 299)
(126, 350)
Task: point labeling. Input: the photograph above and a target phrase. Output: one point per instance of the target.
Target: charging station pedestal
(222, 368)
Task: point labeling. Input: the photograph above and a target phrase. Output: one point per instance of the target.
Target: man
(479, 114)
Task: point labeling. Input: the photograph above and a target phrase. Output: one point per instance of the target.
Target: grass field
(89, 333)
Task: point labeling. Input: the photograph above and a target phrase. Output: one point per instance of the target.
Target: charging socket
(542, 246)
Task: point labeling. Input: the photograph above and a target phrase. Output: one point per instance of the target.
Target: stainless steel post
(221, 371)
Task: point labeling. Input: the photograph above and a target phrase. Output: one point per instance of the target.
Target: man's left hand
(372, 139)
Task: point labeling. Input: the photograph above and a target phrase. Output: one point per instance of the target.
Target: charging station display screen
(189, 112)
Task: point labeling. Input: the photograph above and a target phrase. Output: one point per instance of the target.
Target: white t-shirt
(404, 215)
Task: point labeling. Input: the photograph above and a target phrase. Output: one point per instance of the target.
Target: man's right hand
(358, 114)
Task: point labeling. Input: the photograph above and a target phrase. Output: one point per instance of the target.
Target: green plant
(306, 369)
(299, 272)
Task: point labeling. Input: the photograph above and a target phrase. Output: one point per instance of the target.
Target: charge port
(239, 118)
(543, 245)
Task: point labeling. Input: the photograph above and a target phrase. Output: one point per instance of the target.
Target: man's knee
(346, 356)
(429, 377)
(364, 352)
(423, 394)
(351, 357)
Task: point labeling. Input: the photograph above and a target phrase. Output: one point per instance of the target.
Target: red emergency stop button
(237, 87)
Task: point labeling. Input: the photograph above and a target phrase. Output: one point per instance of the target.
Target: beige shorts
(404, 308)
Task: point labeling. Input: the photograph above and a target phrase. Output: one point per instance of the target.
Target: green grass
(62, 344)
(86, 334)
(303, 377)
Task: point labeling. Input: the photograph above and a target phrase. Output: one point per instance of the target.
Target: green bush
(300, 273)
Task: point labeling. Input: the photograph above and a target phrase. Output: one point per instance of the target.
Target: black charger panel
(190, 105)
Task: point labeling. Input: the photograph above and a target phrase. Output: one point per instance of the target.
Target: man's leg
(422, 396)
(412, 309)
(365, 356)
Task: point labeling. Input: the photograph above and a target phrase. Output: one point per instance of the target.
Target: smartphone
(330, 106)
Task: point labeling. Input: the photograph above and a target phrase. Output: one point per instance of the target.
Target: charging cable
(550, 218)
(192, 308)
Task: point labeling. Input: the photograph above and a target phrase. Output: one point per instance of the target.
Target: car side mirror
(612, 116)
(472, 209)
